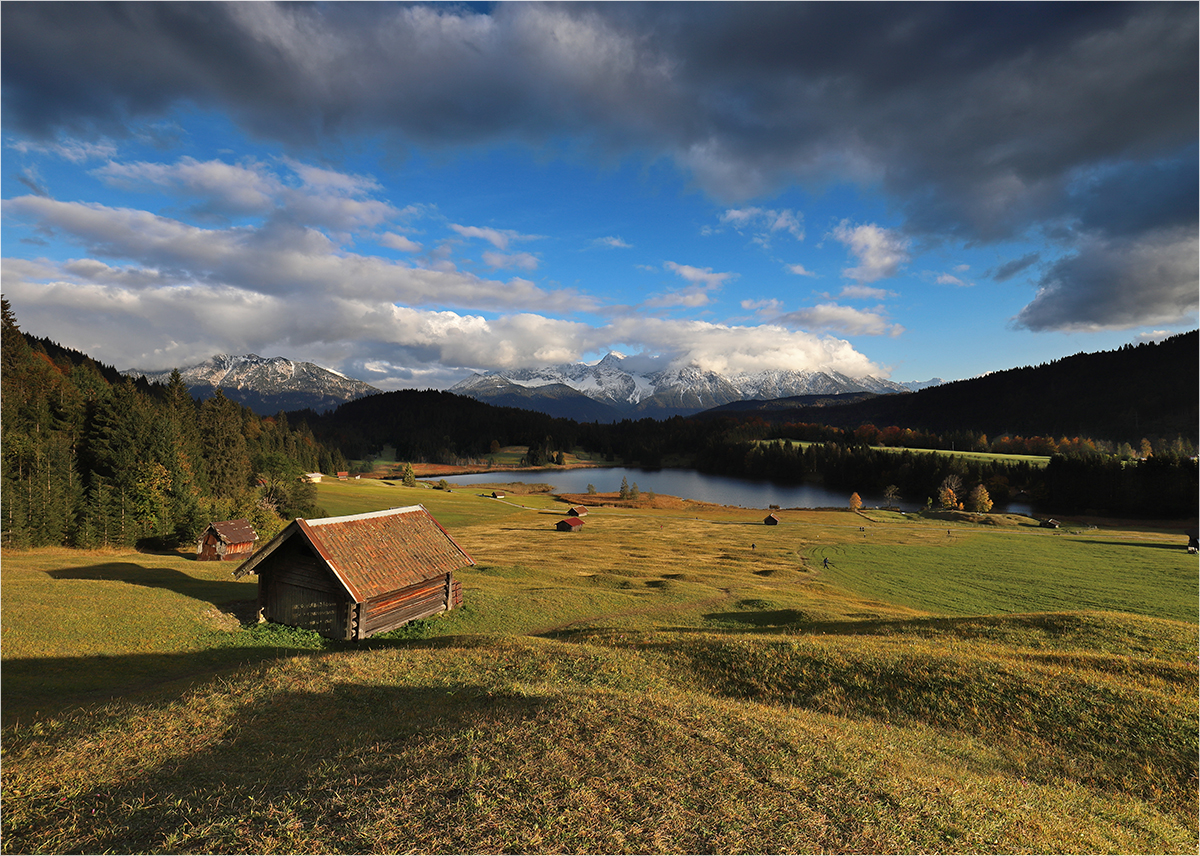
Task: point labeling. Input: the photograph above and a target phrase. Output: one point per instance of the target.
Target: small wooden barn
(577, 511)
(771, 520)
(229, 539)
(569, 524)
(352, 577)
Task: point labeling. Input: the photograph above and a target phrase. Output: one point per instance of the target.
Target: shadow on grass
(215, 592)
(1180, 546)
(306, 757)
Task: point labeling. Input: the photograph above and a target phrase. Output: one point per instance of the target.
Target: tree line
(91, 459)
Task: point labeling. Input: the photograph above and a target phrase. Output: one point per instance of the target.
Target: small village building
(313, 478)
(771, 520)
(227, 540)
(577, 511)
(343, 475)
(497, 494)
(569, 524)
(354, 576)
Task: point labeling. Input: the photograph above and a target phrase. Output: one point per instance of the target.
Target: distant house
(1050, 523)
(313, 478)
(229, 539)
(569, 524)
(497, 494)
(343, 475)
(577, 511)
(352, 577)
(771, 520)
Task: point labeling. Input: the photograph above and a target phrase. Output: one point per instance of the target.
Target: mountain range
(266, 385)
(614, 389)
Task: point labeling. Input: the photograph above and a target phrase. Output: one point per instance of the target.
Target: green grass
(665, 680)
(1035, 460)
(981, 573)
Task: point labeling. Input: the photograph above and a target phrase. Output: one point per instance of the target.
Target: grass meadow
(673, 678)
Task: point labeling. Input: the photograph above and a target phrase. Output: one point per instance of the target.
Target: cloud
(1011, 268)
(980, 123)
(399, 242)
(763, 223)
(499, 238)
(524, 261)
(799, 270)
(612, 242)
(275, 259)
(843, 319)
(950, 279)
(1118, 283)
(864, 292)
(700, 276)
(880, 252)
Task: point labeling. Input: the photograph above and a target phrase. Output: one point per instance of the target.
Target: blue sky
(411, 193)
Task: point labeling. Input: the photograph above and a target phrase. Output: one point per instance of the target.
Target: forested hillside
(90, 460)
(1121, 396)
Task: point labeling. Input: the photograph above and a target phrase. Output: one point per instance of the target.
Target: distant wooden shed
(227, 540)
(569, 524)
(497, 494)
(354, 576)
(771, 520)
(577, 511)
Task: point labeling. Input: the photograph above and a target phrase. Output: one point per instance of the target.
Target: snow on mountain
(266, 385)
(681, 390)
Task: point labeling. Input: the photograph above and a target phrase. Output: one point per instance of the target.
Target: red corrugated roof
(378, 552)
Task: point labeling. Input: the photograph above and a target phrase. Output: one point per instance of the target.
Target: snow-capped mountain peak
(672, 390)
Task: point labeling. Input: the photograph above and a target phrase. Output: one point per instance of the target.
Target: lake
(689, 484)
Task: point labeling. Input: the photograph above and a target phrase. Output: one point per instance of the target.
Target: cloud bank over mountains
(1071, 126)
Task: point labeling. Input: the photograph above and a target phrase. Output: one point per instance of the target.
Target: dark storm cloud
(982, 122)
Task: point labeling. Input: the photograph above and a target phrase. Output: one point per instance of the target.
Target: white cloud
(399, 242)
(864, 292)
(499, 238)
(950, 279)
(613, 242)
(524, 261)
(764, 223)
(799, 270)
(843, 319)
(700, 276)
(880, 252)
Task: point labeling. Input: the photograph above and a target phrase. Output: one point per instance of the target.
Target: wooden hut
(352, 577)
(229, 539)
(577, 511)
(569, 524)
(497, 494)
(771, 520)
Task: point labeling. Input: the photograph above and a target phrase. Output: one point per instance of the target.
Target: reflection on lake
(689, 484)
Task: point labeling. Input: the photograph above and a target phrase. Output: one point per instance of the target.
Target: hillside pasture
(663, 680)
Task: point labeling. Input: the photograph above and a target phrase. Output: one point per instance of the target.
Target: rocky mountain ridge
(574, 389)
(266, 384)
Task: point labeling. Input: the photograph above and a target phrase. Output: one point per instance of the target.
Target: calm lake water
(689, 484)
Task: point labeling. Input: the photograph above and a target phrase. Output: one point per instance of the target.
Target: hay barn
(577, 511)
(227, 540)
(569, 524)
(771, 520)
(354, 576)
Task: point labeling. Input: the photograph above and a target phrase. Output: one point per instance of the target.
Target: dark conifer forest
(94, 459)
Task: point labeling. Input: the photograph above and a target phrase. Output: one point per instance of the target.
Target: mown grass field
(671, 679)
